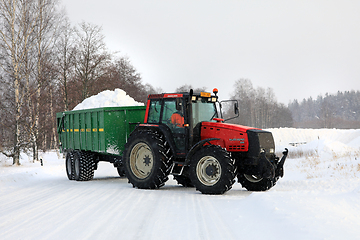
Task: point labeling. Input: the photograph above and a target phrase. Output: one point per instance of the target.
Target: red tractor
(184, 134)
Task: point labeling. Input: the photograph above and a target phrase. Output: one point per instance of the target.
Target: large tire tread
(228, 170)
(69, 164)
(262, 185)
(161, 157)
(86, 166)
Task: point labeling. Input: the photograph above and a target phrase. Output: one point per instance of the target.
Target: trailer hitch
(280, 166)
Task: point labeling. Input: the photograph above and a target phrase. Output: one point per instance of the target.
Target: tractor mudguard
(195, 148)
(163, 129)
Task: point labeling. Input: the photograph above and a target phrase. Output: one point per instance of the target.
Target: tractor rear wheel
(256, 183)
(212, 171)
(146, 162)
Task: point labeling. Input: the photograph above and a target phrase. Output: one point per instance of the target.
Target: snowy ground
(318, 198)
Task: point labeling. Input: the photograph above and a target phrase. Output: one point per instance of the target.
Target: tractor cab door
(202, 110)
(173, 116)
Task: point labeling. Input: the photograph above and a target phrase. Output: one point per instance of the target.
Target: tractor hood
(238, 138)
(231, 136)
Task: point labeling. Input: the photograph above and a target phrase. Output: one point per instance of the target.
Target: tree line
(259, 107)
(47, 66)
(340, 110)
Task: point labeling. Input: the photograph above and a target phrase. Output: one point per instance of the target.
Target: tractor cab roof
(194, 95)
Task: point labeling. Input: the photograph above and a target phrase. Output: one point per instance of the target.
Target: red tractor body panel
(232, 137)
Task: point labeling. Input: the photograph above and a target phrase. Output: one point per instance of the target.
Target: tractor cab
(180, 115)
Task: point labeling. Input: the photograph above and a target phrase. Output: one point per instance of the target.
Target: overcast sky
(297, 48)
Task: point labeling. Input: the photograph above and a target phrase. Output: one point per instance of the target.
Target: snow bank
(321, 153)
(29, 171)
(107, 98)
(319, 140)
(286, 136)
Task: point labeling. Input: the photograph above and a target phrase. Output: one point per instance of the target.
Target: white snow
(318, 198)
(108, 98)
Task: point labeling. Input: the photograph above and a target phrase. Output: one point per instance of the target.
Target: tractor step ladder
(177, 168)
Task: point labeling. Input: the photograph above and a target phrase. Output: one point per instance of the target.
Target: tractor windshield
(203, 111)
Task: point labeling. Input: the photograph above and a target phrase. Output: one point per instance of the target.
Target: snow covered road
(40, 203)
(318, 198)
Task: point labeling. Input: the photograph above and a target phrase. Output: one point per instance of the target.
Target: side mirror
(230, 108)
(236, 108)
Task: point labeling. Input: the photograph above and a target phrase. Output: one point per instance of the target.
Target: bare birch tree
(65, 60)
(27, 32)
(44, 36)
(16, 30)
(92, 57)
(259, 107)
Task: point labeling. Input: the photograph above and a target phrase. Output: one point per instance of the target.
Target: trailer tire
(69, 163)
(84, 166)
(256, 183)
(212, 171)
(146, 160)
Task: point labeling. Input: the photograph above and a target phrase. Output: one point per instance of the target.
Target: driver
(177, 119)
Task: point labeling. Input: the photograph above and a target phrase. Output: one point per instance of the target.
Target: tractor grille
(236, 147)
(260, 140)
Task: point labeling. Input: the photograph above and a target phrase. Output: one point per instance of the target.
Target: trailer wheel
(84, 166)
(146, 160)
(256, 183)
(69, 163)
(212, 171)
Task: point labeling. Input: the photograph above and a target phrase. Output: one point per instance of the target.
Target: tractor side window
(173, 113)
(154, 111)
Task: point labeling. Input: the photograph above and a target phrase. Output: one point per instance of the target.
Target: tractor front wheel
(256, 183)
(212, 171)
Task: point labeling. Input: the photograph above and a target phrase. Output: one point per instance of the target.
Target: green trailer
(92, 135)
(182, 134)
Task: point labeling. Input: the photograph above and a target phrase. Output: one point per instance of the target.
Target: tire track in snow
(201, 225)
(221, 226)
(105, 212)
(210, 223)
(36, 198)
(47, 202)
